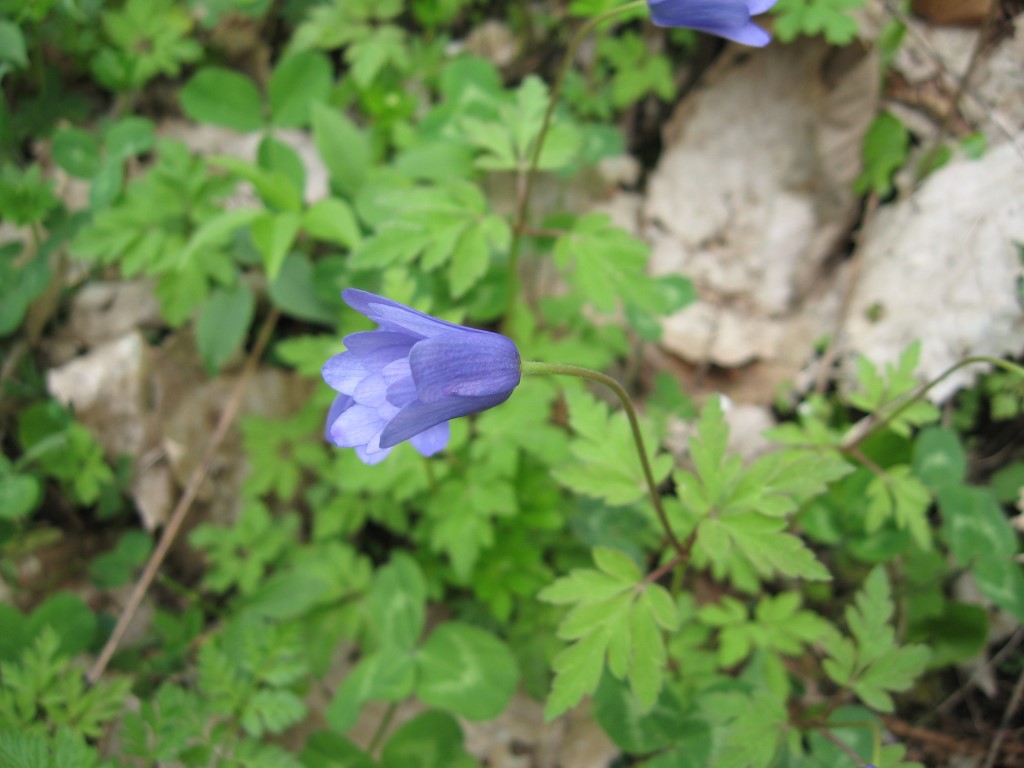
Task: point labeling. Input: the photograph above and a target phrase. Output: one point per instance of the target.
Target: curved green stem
(867, 426)
(523, 202)
(536, 369)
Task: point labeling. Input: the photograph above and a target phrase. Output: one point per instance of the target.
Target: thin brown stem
(170, 531)
(535, 368)
(1008, 717)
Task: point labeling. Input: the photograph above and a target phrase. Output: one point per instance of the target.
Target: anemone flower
(409, 377)
(730, 19)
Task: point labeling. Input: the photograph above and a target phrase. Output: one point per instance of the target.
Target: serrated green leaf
(617, 564)
(763, 545)
(577, 673)
(900, 496)
(830, 18)
(583, 585)
(587, 617)
(606, 465)
(648, 658)
(659, 602)
(748, 728)
(873, 664)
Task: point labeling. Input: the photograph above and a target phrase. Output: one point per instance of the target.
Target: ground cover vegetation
(793, 610)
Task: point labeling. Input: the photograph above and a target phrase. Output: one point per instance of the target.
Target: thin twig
(170, 531)
(534, 368)
(951, 700)
(1008, 716)
(964, 85)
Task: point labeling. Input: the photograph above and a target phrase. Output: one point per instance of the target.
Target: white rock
(102, 311)
(106, 388)
(753, 194)
(942, 267)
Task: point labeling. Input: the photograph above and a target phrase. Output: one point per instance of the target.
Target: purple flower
(407, 378)
(725, 18)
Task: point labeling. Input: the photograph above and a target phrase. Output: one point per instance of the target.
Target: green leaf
(467, 671)
(129, 137)
(898, 495)
(332, 220)
(609, 266)
(117, 567)
(577, 672)
(639, 730)
(956, 635)
(736, 542)
(223, 322)
(325, 749)
(386, 675)
(886, 145)
(223, 97)
(430, 740)
(77, 152)
(383, 45)
(605, 463)
(297, 82)
(396, 607)
(294, 292)
(275, 188)
(280, 159)
(830, 18)
(271, 711)
(12, 44)
(74, 625)
(19, 495)
(616, 614)
(748, 728)
(939, 458)
(345, 149)
(872, 664)
(273, 235)
(983, 540)
(106, 184)
(217, 231)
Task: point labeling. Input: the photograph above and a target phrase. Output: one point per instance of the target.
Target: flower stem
(531, 368)
(523, 201)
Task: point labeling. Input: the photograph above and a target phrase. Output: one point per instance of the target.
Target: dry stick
(170, 531)
(1008, 131)
(1008, 715)
(951, 700)
(965, 78)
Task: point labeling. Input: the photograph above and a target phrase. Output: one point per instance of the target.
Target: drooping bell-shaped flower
(409, 377)
(730, 19)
